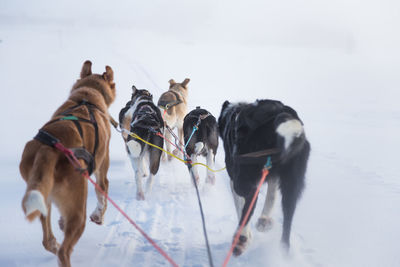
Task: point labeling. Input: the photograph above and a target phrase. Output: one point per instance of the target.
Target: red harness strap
(236, 239)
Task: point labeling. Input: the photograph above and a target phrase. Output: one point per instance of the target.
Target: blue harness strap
(268, 165)
(195, 128)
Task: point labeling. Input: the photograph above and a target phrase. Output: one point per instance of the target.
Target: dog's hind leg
(73, 210)
(73, 230)
(49, 241)
(292, 183)
(245, 236)
(168, 136)
(40, 181)
(97, 215)
(264, 223)
(154, 158)
(210, 163)
(137, 167)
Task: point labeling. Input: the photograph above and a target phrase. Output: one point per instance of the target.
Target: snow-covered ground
(337, 64)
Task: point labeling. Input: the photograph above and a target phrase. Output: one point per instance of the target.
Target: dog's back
(207, 132)
(142, 118)
(265, 125)
(174, 102)
(269, 124)
(81, 122)
(201, 138)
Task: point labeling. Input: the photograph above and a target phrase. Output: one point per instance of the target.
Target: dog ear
(171, 83)
(134, 90)
(86, 69)
(185, 82)
(226, 103)
(109, 74)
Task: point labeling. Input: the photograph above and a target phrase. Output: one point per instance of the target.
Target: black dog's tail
(291, 135)
(210, 132)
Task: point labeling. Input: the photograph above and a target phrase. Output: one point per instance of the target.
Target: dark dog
(204, 140)
(265, 124)
(140, 116)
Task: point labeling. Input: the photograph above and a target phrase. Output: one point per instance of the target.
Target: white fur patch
(132, 109)
(134, 148)
(289, 130)
(35, 201)
(136, 104)
(198, 147)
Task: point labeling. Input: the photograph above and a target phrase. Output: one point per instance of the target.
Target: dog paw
(210, 179)
(61, 224)
(97, 217)
(285, 246)
(140, 196)
(241, 245)
(264, 224)
(51, 245)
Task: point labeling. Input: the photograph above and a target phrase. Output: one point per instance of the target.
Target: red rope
(236, 239)
(169, 141)
(162, 136)
(71, 157)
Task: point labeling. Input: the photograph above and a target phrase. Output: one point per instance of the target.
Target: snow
(337, 63)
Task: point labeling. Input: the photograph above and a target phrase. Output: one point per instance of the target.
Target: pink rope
(236, 239)
(71, 157)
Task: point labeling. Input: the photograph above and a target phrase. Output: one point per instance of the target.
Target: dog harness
(146, 117)
(196, 126)
(82, 152)
(174, 103)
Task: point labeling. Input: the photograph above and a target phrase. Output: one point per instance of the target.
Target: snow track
(170, 216)
(162, 216)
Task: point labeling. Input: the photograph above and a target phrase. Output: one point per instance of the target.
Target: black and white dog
(258, 126)
(204, 140)
(140, 116)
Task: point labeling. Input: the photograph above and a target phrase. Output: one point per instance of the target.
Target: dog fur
(265, 124)
(138, 116)
(174, 115)
(51, 178)
(203, 142)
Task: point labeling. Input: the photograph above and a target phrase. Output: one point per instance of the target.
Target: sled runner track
(157, 215)
(170, 216)
(114, 246)
(144, 252)
(168, 231)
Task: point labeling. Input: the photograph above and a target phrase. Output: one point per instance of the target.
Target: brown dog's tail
(40, 183)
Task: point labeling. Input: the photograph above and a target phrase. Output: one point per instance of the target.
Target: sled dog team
(81, 123)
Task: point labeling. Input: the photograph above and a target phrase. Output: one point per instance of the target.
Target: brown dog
(174, 102)
(82, 122)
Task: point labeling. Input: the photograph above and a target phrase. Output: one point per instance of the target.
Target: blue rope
(268, 165)
(195, 128)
